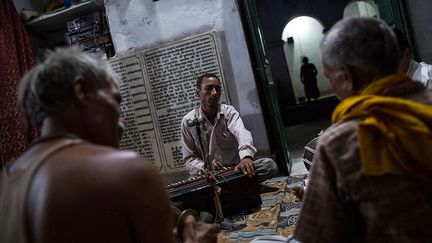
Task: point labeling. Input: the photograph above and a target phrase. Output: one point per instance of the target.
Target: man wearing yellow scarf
(371, 179)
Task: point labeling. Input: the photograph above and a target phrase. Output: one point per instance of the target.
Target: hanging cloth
(16, 57)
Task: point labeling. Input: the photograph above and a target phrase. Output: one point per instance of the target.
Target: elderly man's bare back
(91, 193)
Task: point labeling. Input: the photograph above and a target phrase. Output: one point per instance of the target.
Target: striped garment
(341, 204)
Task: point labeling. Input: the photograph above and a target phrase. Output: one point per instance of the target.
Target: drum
(309, 151)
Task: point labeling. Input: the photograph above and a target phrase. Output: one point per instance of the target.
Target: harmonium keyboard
(238, 192)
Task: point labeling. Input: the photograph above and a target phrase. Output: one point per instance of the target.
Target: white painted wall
(361, 8)
(140, 24)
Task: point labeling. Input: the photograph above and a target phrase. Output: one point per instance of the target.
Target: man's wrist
(182, 220)
(247, 157)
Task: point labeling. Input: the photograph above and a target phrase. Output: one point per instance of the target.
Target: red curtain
(16, 57)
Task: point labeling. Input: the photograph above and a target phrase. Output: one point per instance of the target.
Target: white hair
(367, 43)
(48, 87)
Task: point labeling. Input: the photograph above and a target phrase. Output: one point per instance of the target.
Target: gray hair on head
(366, 43)
(47, 88)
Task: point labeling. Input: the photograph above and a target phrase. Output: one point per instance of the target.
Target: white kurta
(421, 72)
(227, 141)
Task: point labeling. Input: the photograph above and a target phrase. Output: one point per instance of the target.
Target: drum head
(309, 151)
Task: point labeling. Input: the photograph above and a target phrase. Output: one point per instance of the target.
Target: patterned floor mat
(276, 216)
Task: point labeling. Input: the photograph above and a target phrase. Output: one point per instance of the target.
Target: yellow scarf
(395, 134)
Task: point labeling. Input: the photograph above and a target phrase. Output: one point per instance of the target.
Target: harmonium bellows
(238, 192)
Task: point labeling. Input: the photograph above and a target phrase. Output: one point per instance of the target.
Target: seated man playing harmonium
(213, 134)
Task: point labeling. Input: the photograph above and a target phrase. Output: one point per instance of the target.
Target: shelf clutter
(55, 20)
(84, 24)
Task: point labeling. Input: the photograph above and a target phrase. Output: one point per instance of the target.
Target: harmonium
(238, 192)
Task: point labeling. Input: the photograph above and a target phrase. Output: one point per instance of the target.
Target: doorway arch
(302, 37)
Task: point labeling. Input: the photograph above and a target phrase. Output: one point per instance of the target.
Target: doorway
(302, 36)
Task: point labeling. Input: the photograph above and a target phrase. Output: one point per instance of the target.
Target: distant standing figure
(308, 73)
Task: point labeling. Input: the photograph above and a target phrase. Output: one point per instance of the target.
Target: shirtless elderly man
(73, 184)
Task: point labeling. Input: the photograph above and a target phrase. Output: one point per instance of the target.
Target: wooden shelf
(97, 37)
(57, 20)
